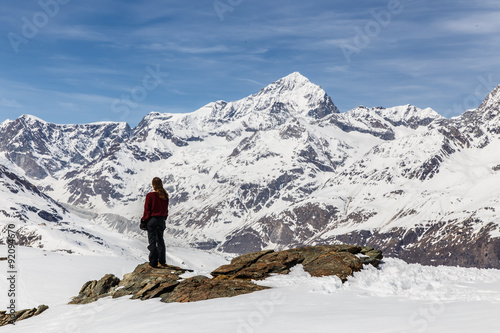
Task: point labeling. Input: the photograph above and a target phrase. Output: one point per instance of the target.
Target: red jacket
(155, 206)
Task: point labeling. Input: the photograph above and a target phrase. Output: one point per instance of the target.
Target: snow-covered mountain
(282, 168)
(41, 222)
(43, 149)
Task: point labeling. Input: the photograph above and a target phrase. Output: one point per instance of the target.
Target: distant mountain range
(279, 169)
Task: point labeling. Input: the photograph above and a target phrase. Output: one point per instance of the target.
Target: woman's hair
(158, 187)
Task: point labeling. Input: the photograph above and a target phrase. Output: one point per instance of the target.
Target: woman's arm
(147, 208)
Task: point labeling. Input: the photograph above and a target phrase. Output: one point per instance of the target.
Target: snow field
(397, 297)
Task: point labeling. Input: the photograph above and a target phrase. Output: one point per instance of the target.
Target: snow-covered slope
(42, 149)
(283, 167)
(39, 221)
(386, 124)
(397, 297)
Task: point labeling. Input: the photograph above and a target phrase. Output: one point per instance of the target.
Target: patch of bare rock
(8, 317)
(229, 280)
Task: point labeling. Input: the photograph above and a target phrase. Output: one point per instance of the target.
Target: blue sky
(71, 61)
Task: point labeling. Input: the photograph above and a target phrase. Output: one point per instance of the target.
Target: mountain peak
(31, 119)
(292, 82)
(301, 95)
(291, 96)
(293, 78)
(491, 104)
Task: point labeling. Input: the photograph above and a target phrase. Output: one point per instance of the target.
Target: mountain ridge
(284, 168)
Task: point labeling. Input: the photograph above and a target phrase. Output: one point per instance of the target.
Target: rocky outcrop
(201, 288)
(234, 279)
(146, 282)
(339, 260)
(91, 291)
(10, 318)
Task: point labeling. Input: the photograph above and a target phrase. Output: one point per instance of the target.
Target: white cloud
(257, 83)
(78, 32)
(186, 49)
(9, 103)
(480, 23)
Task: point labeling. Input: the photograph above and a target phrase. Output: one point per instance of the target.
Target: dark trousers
(156, 247)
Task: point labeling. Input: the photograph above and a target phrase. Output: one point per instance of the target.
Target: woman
(155, 214)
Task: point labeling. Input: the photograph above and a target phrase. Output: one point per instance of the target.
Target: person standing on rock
(153, 220)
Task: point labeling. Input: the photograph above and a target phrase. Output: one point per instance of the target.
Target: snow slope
(398, 297)
(39, 221)
(282, 168)
(42, 149)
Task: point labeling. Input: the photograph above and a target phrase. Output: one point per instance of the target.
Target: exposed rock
(372, 256)
(240, 263)
(432, 244)
(229, 280)
(259, 265)
(8, 318)
(146, 282)
(201, 288)
(285, 229)
(341, 264)
(312, 177)
(27, 141)
(91, 291)
(339, 260)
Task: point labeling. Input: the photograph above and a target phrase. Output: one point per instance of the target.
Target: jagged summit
(25, 120)
(292, 81)
(493, 99)
(42, 148)
(475, 124)
(490, 107)
(282, 168)
(31, 118)
(305, 98)
(290, 97)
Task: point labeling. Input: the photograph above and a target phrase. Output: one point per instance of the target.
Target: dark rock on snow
(339, 260)
(6, 318)
(229, 280)
(199, 288)
(91, 291)
(146, 282)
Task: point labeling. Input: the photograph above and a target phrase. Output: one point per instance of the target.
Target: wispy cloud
(94, 51)
(254, 82)
(9, 103)
(175, 47)
(486, 23)
(79, 32)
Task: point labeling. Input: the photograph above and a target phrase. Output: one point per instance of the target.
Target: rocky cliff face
(284, 168)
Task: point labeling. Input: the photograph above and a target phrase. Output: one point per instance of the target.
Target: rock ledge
(229, 280)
